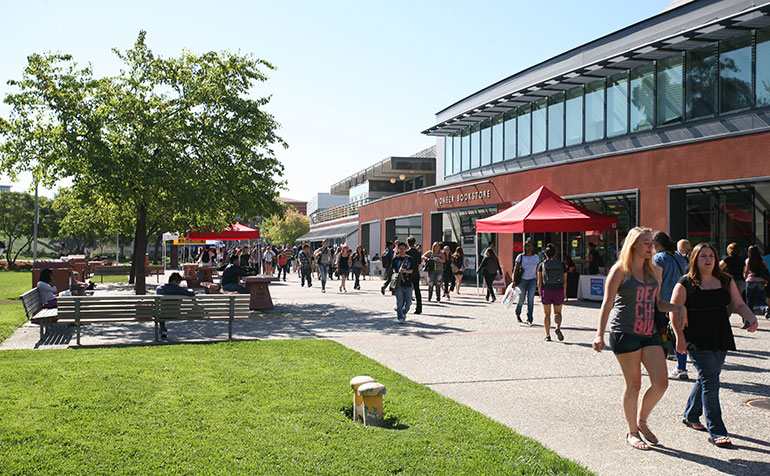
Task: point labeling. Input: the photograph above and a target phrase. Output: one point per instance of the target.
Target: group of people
(326, 262)
(642, 287)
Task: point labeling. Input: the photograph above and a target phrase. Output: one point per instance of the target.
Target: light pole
(34, 227)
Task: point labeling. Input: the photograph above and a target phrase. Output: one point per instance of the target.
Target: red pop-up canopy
(545, 211)
(237, 231)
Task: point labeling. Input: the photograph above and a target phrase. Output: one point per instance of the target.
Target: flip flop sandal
(636, 442)
(721, 441)
(652, 440)
(695, 425)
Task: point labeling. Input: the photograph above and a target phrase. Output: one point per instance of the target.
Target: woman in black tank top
(707, 335)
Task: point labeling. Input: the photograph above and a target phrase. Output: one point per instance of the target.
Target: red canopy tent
(545, 211)
(238, 231)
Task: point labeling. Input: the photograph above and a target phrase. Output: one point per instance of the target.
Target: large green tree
(284, 229)
(181, 143)
(17, 221)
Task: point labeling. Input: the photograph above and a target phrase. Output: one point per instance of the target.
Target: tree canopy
(175, 143)
(17, 219)
(285, 229)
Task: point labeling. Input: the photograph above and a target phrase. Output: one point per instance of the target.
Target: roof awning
(329, 232)
(555, 79)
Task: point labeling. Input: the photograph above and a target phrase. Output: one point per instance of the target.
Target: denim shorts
(622, 343)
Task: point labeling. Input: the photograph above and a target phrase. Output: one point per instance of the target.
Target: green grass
(12, 285)
(270, 407)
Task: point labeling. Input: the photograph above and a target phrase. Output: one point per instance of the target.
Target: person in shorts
(552, 284)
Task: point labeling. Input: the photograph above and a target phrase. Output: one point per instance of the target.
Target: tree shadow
(735, 466)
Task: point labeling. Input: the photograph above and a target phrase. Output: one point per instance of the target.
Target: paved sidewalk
(561, 393)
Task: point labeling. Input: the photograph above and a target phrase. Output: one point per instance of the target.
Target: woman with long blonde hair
(631, 295)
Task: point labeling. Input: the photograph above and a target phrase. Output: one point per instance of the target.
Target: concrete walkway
(561, 393)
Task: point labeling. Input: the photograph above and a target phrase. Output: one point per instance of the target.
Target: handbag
(519, 274)
(395, 283)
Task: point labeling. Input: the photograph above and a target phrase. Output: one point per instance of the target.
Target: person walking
(403, 267)
(595, 260)
(306, 266)
(527, 262)
(172, 288)
(552, 286)
(458, 267)
(434, 266)
(343, 266)
(387, 265)
(673, 266)
(268, 257)
(756, 274)
(632, 292)
(447, 276)
(489, 267)
(323, 257)
(414, 253)
(283, 265)
(706, 334)
(357, 265)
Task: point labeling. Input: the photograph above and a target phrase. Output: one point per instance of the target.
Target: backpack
(387, 259)
(553, 273)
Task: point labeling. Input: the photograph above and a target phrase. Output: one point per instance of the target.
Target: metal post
(34, 227)
(476, 246)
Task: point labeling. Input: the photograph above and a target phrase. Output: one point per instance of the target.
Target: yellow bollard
(358, 403)
(371, 394)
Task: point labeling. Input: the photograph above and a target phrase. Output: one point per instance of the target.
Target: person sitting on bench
(172, 288)
(231, 277)
(47, 291)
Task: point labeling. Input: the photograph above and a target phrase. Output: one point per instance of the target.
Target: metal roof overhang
(637, 55)
(385, 170)
(329, 232)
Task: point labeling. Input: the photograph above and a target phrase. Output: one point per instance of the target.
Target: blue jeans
(528, 287)
(434, 281)
(755, 295)
(403, 300)
(235, 287)
(323, 269)
(704, 397)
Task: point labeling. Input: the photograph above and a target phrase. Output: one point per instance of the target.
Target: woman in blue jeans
(706, 334)
(528, 262)
(755, 272)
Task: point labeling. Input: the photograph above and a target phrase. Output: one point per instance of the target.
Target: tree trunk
(140, 249)
(132, 273)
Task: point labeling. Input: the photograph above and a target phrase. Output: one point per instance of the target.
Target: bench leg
(41, 331)
(78, 338)
(156, 331)
(230, 328)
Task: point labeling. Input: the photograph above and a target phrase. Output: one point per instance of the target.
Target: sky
(356, 82)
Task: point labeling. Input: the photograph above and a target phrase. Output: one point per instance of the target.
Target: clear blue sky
(357, 80)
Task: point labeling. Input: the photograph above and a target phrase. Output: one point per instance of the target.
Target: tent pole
(476, 246)
(617, 243)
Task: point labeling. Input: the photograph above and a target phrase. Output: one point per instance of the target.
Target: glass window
(642, 97)
(574, 125)
(447, 155)
(523, 142)
(735, 73)
(556, 121)
(670, 90)
(486, 143)
(455, 152)
(465, 163)
(701, 74)
(497, 139)
(475, 146)
(595, 110)
(763, 67)
(538, 125)
(510, 135)
(617, 105)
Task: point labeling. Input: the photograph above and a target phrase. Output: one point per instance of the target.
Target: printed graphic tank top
(634, 308)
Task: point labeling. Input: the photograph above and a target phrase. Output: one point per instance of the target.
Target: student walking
(357, 262)
(434, 266)
(282, 264)
(387, 265)
(552, 286)
(416, 257)
(268, 258)
(631, 294)
(756, 275)
(708, 294)
(306, 266)
(489, 268)
(447, 277)
(343, 266)
(403, 266)
(323, 256)
(527, 262)
(458, 267)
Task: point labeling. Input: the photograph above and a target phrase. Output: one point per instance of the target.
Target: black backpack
(553, 272)
(387, 259)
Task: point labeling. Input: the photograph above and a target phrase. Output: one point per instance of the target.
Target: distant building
(323, 201)
(298, 204)
(5, 188)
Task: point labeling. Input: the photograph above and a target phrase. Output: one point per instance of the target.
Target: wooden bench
(119, 270)
(36, 313)
(79, 310)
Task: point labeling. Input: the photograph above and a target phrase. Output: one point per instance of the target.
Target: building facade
(662, 124)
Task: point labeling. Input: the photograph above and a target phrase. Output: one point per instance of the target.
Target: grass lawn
(269, 407)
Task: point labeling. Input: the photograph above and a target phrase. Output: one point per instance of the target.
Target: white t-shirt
(269, 256)
(529, 264)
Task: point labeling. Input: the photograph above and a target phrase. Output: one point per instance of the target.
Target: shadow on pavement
(734, 466)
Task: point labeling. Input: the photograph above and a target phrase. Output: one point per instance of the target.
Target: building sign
(463, 198)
